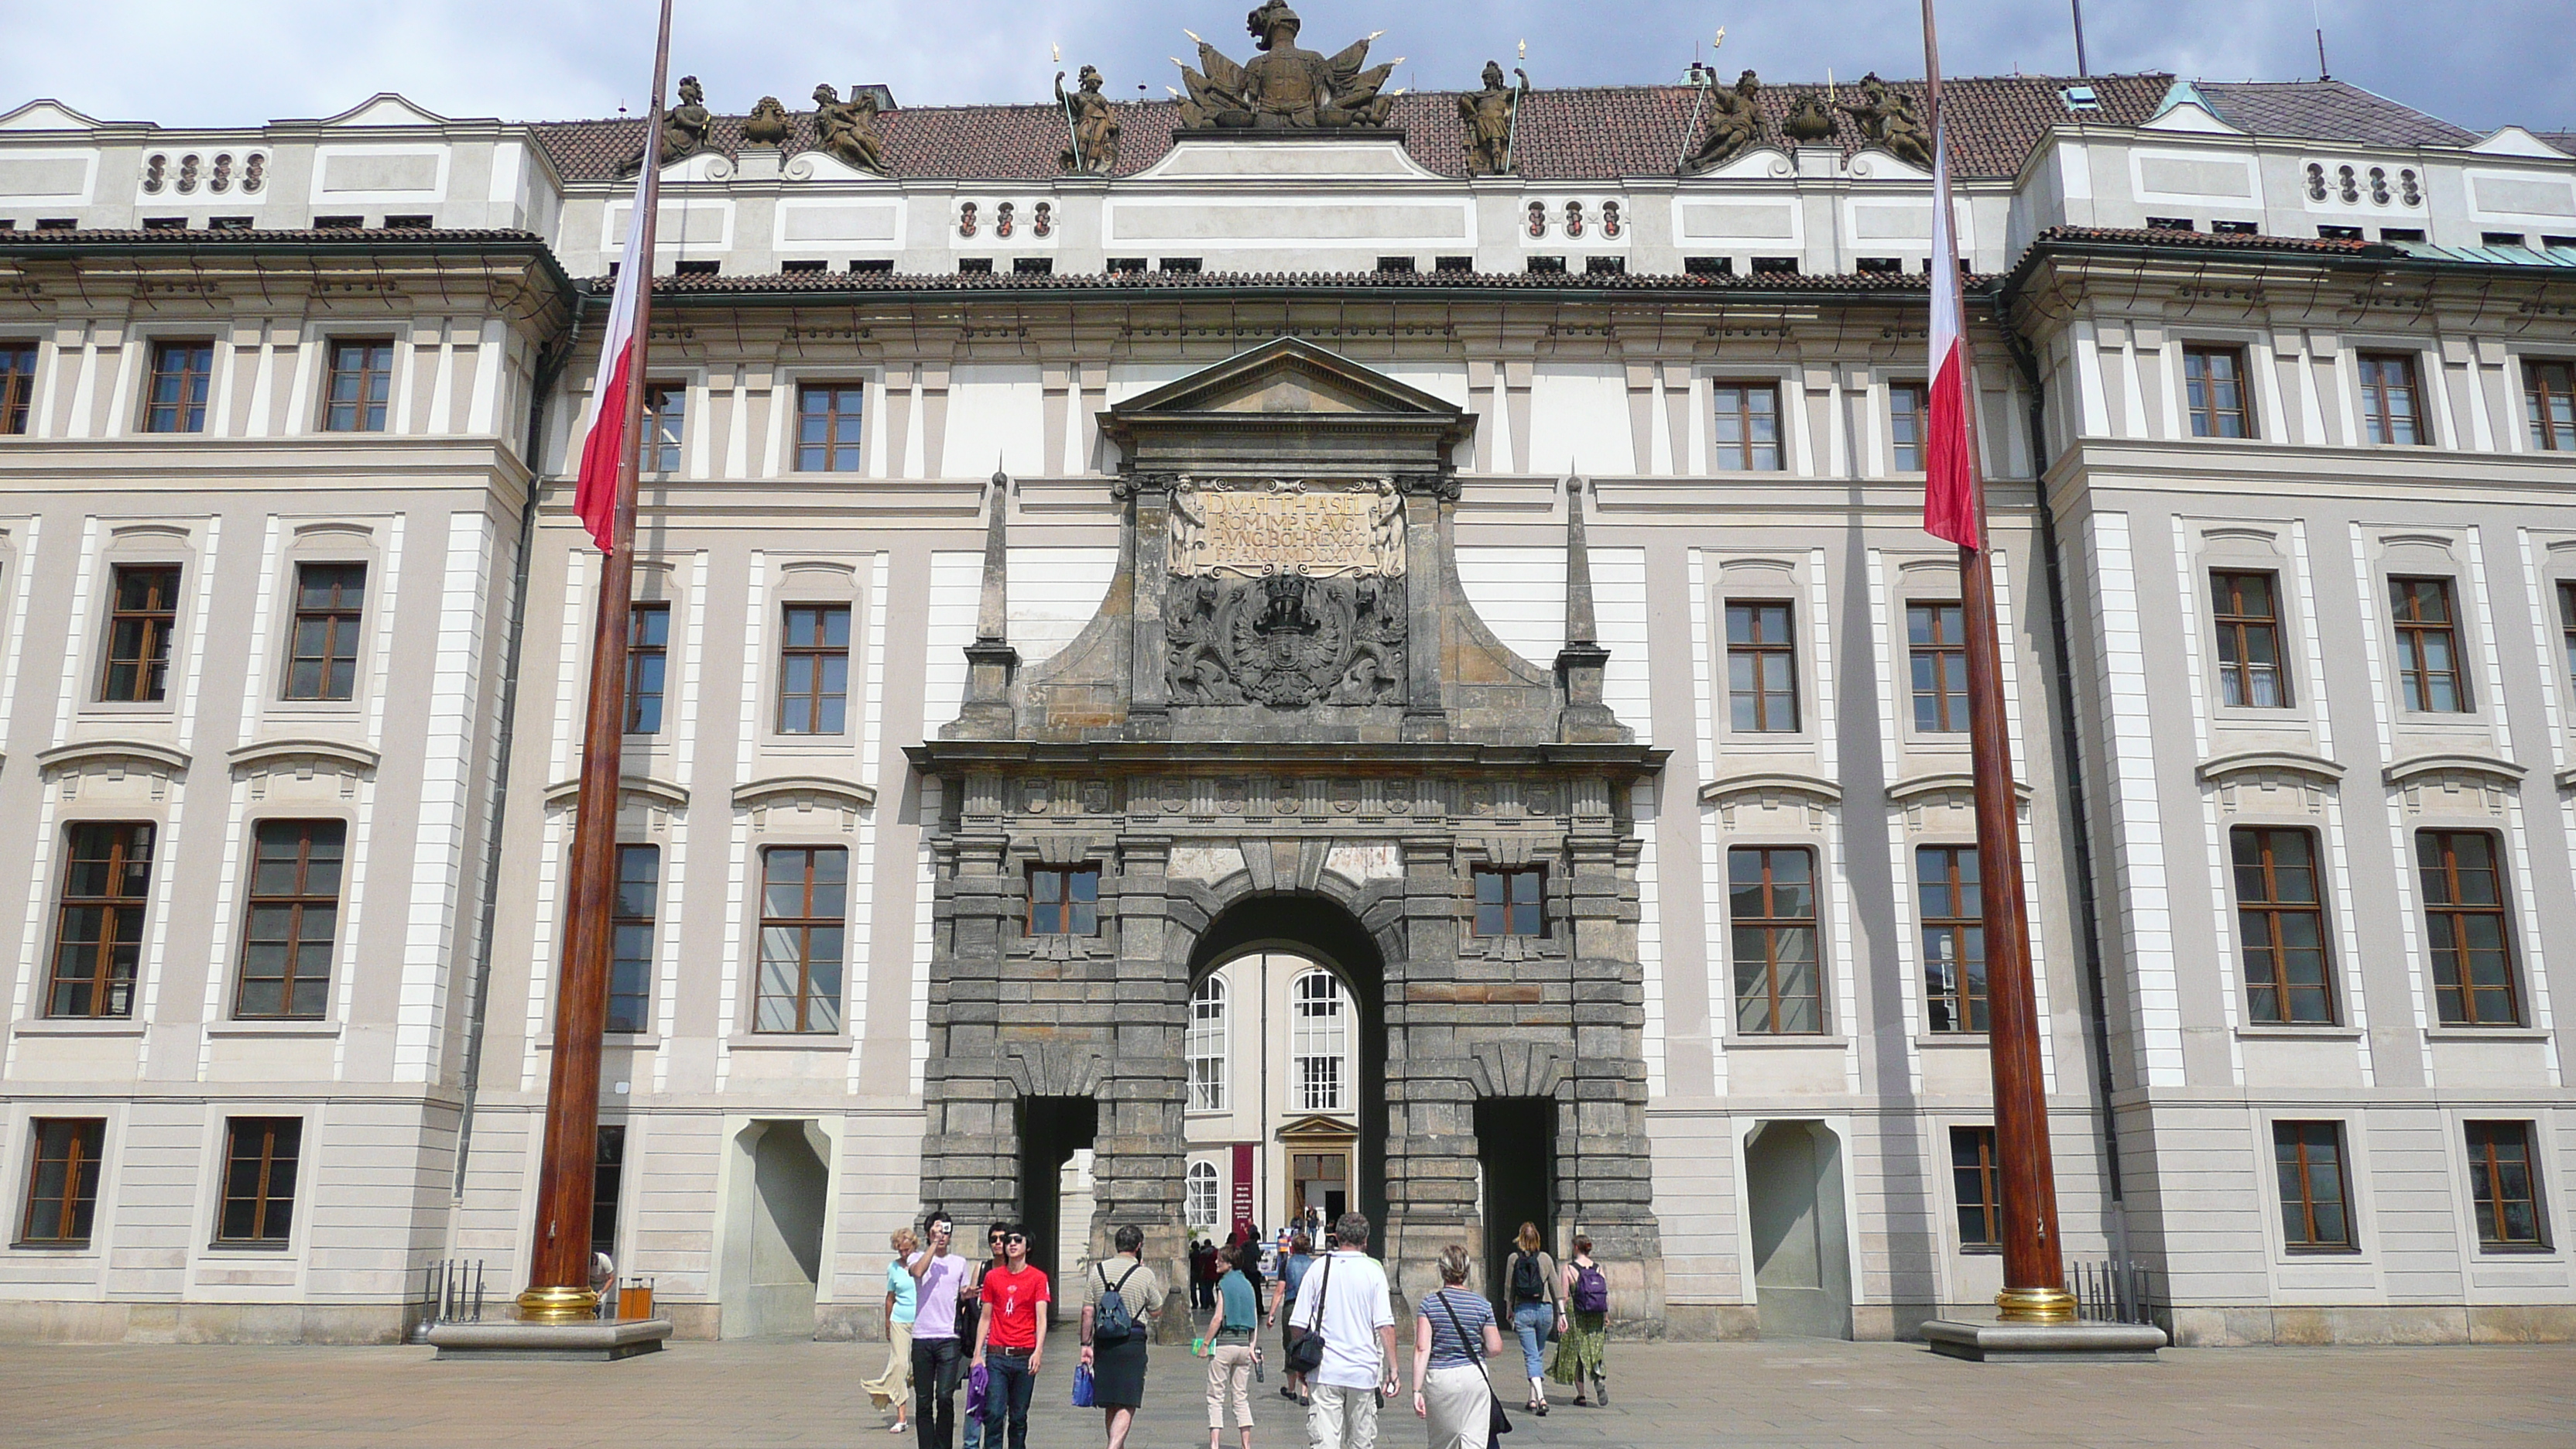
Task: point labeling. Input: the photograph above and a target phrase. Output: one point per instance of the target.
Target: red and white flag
(1950, 476)
(603, 426)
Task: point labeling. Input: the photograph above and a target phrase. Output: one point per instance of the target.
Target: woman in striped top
(1450, 1390)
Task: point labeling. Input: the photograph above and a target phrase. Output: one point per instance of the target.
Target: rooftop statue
(1488, 114)
(1810, 122)
(684, 126)
(1889, 120)
(1285, 87)
(848, 129)
(767, 125)
(1734, 124)
(1094, 122)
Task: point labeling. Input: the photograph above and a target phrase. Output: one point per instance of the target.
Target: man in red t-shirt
(1011, 1339)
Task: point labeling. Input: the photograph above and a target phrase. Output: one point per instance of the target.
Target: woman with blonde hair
(1453, 1335)
(895, 1384)
(1538, 1308)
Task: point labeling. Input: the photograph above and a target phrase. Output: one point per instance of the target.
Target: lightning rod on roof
(2316, 11)
(2081, 70)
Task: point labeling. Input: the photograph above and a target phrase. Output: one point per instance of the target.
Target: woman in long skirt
(1453, 1334)
(1582, 1352)
(895, 1384)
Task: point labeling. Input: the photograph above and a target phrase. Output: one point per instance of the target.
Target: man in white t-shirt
(1359, 1340)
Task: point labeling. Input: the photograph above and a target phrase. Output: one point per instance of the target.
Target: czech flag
(605, 445)
(1950, 476)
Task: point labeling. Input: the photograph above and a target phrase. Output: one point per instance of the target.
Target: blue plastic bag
(1082, 1386)
(978, 1380)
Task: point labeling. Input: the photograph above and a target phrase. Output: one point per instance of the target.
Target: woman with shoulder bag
(1453, 1335)
(1538, 1308)
(1583, 1352)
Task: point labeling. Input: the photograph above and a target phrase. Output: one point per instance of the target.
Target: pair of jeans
(1007, 1395)
(1532, 1321)
(937, 1363)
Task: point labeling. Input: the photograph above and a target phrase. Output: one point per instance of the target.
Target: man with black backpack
(1120, 1297)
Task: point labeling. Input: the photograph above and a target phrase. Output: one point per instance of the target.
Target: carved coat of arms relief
(1286, 594)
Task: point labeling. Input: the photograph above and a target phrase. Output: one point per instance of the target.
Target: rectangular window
(62, 1182)
(666, 412)
(330, 604)
(98, 925)
(1319, 1041)
(1979, 1186)
(648, 657)
(1747, 435)
(182, 375)
(362, 383)
(2506, 1185)
(17, 386)
(1771, 905)
(1938, 636)
(2549, 396)
(1905, 419)
(814, 670)
(259, 1180)
(2428, 646)
(1064, 900)
(2388, 393)
(804, 894)
(293, 916)
(1761, 668)
(1954, 936)
(608, 1178)
(2214, 388)
(2567, 626)
(142, 616)
(2315, 1195)
(2464, 924)
(2280, 920)
(1511, 900)
(630, 928)
(2247, 607)
(827, 427)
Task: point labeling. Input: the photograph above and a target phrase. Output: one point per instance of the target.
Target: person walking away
(1453, 1334)
(894, 1386)
(1583, 1352)
(970, 1312)
(1348, 1290)
(938, 1276)
(1202, 1274)
(1231, 1356)
(1537, 1299)
(1292, 1275)
(1009, 1341)
(1120, 1297)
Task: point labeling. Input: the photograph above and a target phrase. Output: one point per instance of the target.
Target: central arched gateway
(1287, 730)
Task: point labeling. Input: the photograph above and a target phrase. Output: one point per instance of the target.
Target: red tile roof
(824, 284)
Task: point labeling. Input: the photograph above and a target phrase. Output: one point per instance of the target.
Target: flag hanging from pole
(604, 441)
(1950, 479)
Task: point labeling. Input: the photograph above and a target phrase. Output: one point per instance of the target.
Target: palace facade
(1296, 648)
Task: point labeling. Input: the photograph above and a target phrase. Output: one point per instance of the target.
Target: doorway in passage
(1516, 1155)
(1052, 1130)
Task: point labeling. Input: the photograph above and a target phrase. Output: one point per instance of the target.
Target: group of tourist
(1334, 1311)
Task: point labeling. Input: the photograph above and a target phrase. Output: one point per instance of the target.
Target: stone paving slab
(800, 1395)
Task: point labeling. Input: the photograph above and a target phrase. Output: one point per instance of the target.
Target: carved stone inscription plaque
(1319, 530)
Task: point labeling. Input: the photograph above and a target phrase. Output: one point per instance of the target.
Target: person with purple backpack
(1582, 1351)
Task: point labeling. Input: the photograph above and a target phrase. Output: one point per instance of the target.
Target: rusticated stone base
(90, 1322)
(2319, 1325)
(1711, 1322)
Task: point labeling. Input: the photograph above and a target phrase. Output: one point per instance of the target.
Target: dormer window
(2080, 99)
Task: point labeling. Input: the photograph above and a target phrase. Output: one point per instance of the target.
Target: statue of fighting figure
(1734, 124)
(1094, 123)
(1488, 114)
(1889, 119)
(848, 129)
(1285, 86)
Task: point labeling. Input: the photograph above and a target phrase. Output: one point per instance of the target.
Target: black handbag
(1497, 1423)
(1306, 1348)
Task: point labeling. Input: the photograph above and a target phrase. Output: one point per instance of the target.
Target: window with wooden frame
(607, 1184)
(17, 387)
(361, 386)
(291, 920)
(2389, 410)
(2214, 392)
(2428, 646)
(814, 670)
(1761, 667)
(648, 659)
(2465, 928)
(62, 1182)
(2549, 399)
(1208, 1046)
(260, 1162)
(1511, 900)
(2504, 1181)
(666, 418)
(2316, 1191)
(98, 922)
(630, 936)
(1771, 914)
(183, 374)
(143, 613)
(1977, 1183)
(1746, 431)
(2246, 604)
(804, 905)
(1905, 426)
(1319, 1043)
(1064, 900)
(330, 610)
(2280, 922)
(1936, 637)
(827, 427)
(1954, 936)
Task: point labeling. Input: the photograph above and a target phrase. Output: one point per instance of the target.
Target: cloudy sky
(244, 61)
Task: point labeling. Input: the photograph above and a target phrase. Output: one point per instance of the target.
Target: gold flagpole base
(558, 1305)
(2023, 1305)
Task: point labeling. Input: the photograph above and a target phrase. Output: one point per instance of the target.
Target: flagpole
(559, 1288)
(2034, 1267)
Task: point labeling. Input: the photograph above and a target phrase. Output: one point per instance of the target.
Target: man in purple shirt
(937, 1360)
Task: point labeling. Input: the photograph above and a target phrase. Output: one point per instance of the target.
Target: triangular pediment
(48, 115)
(1287, 375)
(1318, 1129)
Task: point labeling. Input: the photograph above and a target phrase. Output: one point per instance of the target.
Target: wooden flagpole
(2034, 1268)
(559, 1288)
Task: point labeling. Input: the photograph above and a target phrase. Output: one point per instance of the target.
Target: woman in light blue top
(895, 1384)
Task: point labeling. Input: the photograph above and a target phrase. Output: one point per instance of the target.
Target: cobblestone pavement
(770, 1395)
